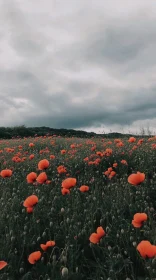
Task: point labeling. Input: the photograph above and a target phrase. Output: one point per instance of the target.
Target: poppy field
(78, 209)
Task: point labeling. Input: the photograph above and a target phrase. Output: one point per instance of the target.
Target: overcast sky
(81, 64)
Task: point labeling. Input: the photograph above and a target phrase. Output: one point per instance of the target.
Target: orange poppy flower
(34, 257)
(120, 144)
(6, 173)
(84, 188)
(138, 219)
(31, 177)
(72, 146)
(146, 249)
(93, 148)
(140, 141)
(110, 169)
(52, 156)
(136, 179)
(112, 174)
(30, 209)
(61, 169)
(134, 147)
(65, 191)
(43, 164)
(3, 264)
(30, 201)
(42, 177)
(100, 231)
(99, 154)
(31, 145)
(131, 140)
(16, 159)
(48, 182)
(115, 164)
(31, 156)
(69, 183)
(123, 161)
(63, 152)
(47, 245)
(95, 237)
(106, 173)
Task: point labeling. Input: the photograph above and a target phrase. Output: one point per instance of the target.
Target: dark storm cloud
(120, 43)
(75, 66)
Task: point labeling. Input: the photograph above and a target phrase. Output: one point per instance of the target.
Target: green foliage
(23, 131)
(70, 220)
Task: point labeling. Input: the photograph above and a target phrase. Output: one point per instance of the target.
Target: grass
(70, 219)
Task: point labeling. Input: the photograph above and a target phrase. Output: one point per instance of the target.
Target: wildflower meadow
(78, 209)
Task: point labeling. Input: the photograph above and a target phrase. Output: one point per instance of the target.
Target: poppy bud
(21, 270)
(64, 272)
(64, 259)
(154, 261)
(54, 257)
(25, 228)
(44, 234)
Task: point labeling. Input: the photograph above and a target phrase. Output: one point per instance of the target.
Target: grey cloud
(83, 68)
(23, 38)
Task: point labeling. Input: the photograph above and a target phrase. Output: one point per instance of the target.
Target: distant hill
(23, 131)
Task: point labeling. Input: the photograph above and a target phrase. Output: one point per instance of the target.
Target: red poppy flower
(138, 219)
(43, 164)
(6, 173)
(31, 156)
(30, 209)
(61, 169)
(30, 201)
(41, 178)
(47, 245)
(34, 257)
(100, 231)
(69, 183)
(146, 249)
(52, 156)
(31, 177)
(63, 152)
(84, 188)
(95, 237)
(3, 264)
(65, 191)
(136, 179)
(31, 145)
(131, 140)
(123, 161)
